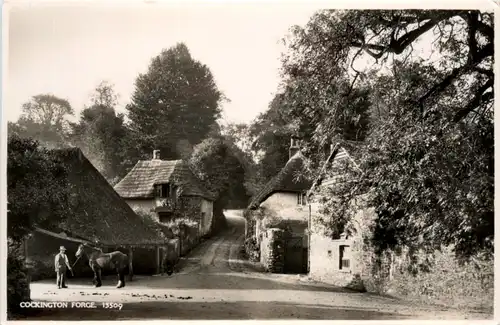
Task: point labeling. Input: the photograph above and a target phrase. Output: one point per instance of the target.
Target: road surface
(213, 282)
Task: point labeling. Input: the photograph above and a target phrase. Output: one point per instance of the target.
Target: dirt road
(214, 283)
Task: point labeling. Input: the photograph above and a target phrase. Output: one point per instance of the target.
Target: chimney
(294, 147)
(156, 154)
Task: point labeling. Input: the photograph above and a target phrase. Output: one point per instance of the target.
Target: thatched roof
(285, 181)
(97, 213)
(139, 182)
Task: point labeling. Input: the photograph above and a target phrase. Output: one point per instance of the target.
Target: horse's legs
(118, 285)
(97, 273)
(121, 277)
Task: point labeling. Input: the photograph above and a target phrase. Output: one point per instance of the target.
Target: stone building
(281, 203)
(337, 260)
(167, 190)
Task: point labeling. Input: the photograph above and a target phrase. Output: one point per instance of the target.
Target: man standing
(61, 262)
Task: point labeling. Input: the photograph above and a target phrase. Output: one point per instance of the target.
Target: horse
(98, 260)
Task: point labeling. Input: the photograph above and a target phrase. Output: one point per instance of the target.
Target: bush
(252, 249)
(40, 269)
(18, 286)
(356, 284)
(445, 281)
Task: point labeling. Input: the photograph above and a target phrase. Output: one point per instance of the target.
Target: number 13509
(112, 305)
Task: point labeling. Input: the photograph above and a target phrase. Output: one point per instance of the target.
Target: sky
(68, 51)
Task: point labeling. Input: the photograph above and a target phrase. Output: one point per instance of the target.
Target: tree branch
(369, 46)
(483, 53)
(479, 99)
(399, 46)
(486, 30)
(487, 72)
(472, 20)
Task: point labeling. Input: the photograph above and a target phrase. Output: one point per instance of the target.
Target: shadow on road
(212, 310)
(220, 281)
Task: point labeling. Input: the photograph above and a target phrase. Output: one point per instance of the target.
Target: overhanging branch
(480, 98)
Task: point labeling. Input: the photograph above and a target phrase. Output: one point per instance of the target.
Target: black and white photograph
(247, 161)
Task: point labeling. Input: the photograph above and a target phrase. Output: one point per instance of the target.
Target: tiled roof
(96, 212)
(337, 159)
(285, 181)
(140, 181)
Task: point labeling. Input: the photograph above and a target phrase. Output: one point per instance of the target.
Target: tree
(101, 134)
(44, 118)
(104, 95)
(271, 133)
(237, 137)
(427, 158)
(47, 109)
(37, 195)
(239, 133)
(216, 164)
(176, 99)
(37, 188)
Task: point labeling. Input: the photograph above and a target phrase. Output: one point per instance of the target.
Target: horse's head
(80, 251)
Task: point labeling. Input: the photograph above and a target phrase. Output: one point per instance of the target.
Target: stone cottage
(97, 215)
(282, 203)
(337, 260)
(167, 190)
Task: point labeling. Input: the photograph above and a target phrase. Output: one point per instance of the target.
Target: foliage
(163, 231)
(104, 95)
(181, 225)
(468, 286)
(101, 134)
(427, 126)
(17, 277)
(239, 133)
(238, 139)
(37, 187)
(47, 109)
(215, 162)
(271, 133)
(44, 118)
(252, 249)
(176, 99)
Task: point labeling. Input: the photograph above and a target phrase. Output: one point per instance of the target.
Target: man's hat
(62, 248)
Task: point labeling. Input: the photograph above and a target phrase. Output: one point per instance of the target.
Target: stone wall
(272, 250)
(444, 281)
(325, 263)
(189, 239)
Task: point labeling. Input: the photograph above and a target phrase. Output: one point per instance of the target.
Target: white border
(342, 4)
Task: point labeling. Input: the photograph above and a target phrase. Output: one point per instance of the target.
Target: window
(344, 257)
(165, 216)
(301, 199)
(164, 190)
